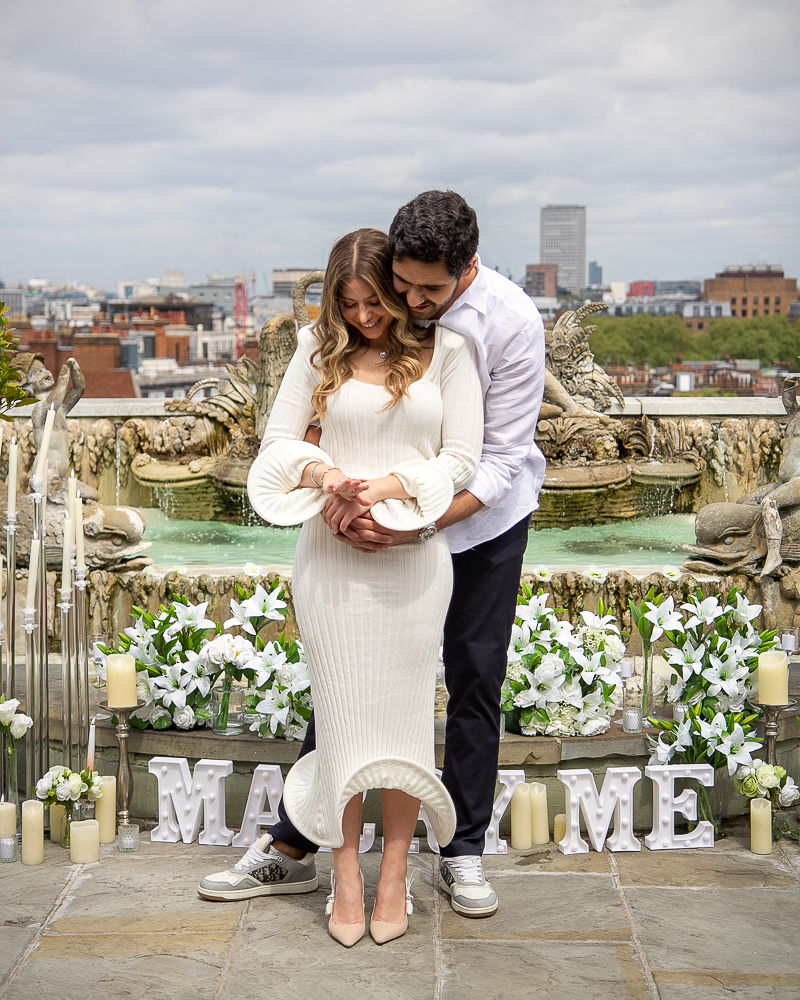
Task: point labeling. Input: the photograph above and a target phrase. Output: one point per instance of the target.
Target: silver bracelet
(320, 485)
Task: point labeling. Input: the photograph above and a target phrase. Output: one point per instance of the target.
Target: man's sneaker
(470, 893)
(263, 871)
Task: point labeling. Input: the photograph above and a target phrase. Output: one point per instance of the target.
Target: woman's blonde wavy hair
(363, 254)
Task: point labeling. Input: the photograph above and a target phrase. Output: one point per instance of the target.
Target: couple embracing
(402, 438)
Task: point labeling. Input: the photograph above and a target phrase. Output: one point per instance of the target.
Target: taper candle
(80, 558)
(90, 746)
(8, 820)
(559, 827)
(33, 568)
(121, 680)
(105, 810)
(773, 677)
(66, 555)
(521, 818)
(41, 464)
(761, 826)
(32, 832)
(540, 827)
(84, 842)
(72, 490)
(57, 813)
(12, 476)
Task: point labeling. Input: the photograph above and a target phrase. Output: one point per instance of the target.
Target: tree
(11, 395)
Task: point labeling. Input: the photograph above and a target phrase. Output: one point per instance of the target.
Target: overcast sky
(139, 135)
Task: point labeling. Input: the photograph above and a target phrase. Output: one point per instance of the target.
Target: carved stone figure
(574, 379)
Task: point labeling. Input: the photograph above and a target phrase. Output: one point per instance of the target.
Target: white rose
(19, 725)
(789, 794)
(63, 791)
(184, 718)
(95, 791)
(285, 676)
(159, 712)
(76, 786)
(766, 777)
(7, 709)
(595, 726)
(43, 786)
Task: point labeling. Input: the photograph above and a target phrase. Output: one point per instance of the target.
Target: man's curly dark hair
(436, 226)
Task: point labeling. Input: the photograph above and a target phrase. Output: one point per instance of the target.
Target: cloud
(155, 133)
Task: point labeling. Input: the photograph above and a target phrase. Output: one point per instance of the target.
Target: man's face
(427, 288)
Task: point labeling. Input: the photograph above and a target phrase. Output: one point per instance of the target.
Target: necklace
(381, 354)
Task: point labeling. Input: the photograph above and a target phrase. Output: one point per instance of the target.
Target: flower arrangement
(281, 694)
(767, 781)
(561, 680)
(13, 726)
(61, 785)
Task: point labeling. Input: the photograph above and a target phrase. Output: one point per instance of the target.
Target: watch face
(427, 532)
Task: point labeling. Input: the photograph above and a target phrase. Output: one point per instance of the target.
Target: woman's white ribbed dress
(371, 624)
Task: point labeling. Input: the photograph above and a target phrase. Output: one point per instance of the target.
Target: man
(434, 242)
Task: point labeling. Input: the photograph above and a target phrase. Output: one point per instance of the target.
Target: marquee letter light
(616, 798)
(508, 780)
(666, 805)
(261, 810)
(182, 796)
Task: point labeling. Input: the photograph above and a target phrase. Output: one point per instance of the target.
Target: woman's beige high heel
(346, 934)
(381, 932)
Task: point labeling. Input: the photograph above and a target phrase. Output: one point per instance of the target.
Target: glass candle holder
(128, 837)
(8, 849)
(632, 719)
(87, 809)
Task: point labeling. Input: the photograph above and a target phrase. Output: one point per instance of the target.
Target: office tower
(563, 242)
(595, 273)
(541, 280)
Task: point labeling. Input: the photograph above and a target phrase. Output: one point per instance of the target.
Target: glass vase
(227, 709)
(648, 702)
(711, 801)
(9, 789)
(71, 815)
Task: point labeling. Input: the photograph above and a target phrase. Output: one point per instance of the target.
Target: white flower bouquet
(13, 726)
(281, 694)
(61, 785)
(767, 781)
(561, 680)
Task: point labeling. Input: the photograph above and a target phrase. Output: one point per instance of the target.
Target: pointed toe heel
(382, 932)
(346, 934)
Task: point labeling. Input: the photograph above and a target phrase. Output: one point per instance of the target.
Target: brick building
(753, 290)
(541, 280)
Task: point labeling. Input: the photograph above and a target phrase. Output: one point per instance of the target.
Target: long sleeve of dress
(431, 483)
(275, 474)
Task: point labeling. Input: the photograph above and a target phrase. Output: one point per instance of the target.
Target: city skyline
(170, 136)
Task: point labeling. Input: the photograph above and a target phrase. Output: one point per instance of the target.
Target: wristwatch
(427, 532)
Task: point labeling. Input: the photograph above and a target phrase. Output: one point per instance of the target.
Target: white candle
(41, 464)
(521, 818)
(8, 820)
(72, 490)
(761, 826)
(12, 476)
(66, 570)
(57, 813)
(559, 827)
(121, 680)
(32, 832)
(33, 567)
(773, 677)
(80, 558)
(540, 827)
(787, 642)
(84, 842)
(90, 747)
(105, 810)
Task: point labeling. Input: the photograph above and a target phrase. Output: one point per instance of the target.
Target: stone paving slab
(717, 869)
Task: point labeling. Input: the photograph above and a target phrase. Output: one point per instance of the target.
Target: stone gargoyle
(759, 535)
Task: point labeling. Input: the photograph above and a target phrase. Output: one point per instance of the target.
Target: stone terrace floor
(674, 925)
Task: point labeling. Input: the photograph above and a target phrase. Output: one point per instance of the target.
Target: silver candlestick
(81, 644)
(32, 706)
(124, 776)
(40, 528)
(771, 715)
(67, 678)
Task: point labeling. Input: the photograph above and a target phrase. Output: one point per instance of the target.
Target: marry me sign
(187, 798)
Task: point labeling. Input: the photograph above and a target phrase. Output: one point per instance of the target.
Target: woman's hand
(385, 488)
(339, 512)
(335, 482)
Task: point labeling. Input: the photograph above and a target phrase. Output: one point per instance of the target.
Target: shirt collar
(474, 295)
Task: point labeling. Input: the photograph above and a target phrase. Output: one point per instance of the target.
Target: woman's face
(362, 309)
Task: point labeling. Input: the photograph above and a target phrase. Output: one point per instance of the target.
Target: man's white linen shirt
(508, 335)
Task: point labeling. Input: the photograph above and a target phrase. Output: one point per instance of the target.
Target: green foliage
(657, 340)
(11, 395)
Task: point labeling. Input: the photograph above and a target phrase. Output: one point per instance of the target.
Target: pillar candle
(521, 818)
(80, 558)
(84, 842)
(761, 826)
(105, 810)
(773, 677)
(41, 464)
(12, 476)
(32, 832)
(8, 820)
(121, 680)
(57, 812)
(540, 827)
(559, 827)
(66, 571)
(33, 566)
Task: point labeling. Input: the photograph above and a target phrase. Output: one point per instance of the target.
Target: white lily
(606, 623)
(662, 752)
(201, 675)
(724, 675)
(744, 610)
(240, 618)
(170, 687)
(275, 708)
(737, 748)
(191, 616)
(713, 731)
(545, 683)
(265, 604)
(704, 612)
(534, 610)
(139, 633)
(664, 618)
(689, 659)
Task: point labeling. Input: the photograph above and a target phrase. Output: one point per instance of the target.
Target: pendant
(381, 354)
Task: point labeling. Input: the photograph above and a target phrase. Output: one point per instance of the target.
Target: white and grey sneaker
(263, 871)
(463, 879)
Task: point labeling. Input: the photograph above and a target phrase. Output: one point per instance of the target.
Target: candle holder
(32, 707)
(40, 527)
(67, 678)
(771, 713)
(11, 601)
(124, 776)
(128, 834)
(8, 849)
(81, 661)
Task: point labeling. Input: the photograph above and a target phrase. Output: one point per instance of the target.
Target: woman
(401, 430)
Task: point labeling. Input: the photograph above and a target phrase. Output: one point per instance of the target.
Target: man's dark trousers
(477, 632)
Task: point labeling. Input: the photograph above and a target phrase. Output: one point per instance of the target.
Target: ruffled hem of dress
(303, 803)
